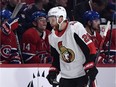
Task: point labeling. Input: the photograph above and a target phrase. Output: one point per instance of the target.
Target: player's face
(53, 21)
(96, 24)
(41, 23)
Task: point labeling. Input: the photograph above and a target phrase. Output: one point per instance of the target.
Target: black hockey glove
(90, 67)
(92, 73)
(52, 77)
(91, 70)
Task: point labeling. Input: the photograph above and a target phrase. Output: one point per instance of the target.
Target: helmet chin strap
(59, 28)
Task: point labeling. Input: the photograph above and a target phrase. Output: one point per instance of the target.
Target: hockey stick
(102, 42)
(110, 40)
(14, 14)
(16, 10)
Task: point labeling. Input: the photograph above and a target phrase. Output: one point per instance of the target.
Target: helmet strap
(60, 24)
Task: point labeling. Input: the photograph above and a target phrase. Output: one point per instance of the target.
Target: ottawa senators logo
(5, 51)
(67, 54)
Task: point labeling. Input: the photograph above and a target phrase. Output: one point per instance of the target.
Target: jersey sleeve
(85, 43)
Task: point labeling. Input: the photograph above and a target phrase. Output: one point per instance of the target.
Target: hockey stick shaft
(16, 10)
(14, 14)
(102, 42)
(110, 40)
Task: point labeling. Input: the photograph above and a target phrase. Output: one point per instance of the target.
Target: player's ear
(89, 23)
(34, 23)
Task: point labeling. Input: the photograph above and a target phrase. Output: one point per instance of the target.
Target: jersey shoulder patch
(75, 26)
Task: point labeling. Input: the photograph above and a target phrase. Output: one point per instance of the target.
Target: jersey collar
(60, 33)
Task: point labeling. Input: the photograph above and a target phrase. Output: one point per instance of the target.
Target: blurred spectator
(9, 52)
(112, 4)
(65, 3)
(3, 4)
(35, 45)
(108, 12)
(38, 5)
(62, 2)
(11, 4)
(96, 5)
(29, 1)
(53, 3)
(71, 6)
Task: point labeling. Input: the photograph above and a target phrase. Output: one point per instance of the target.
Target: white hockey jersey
(71, 44)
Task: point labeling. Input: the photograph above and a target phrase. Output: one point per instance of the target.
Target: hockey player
(92, 25)
(109, 48)
(8, 46)
(75, 51)
(4, 15)
(35, 46)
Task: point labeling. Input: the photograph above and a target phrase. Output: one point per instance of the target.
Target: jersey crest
(5, 51)
(66, 53)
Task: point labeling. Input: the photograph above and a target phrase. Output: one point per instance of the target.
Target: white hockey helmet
(57, 12)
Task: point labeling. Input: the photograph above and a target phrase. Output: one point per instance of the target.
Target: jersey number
(26, 46)
(86, 38)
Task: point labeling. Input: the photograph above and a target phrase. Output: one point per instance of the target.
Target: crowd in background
(75, 11)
